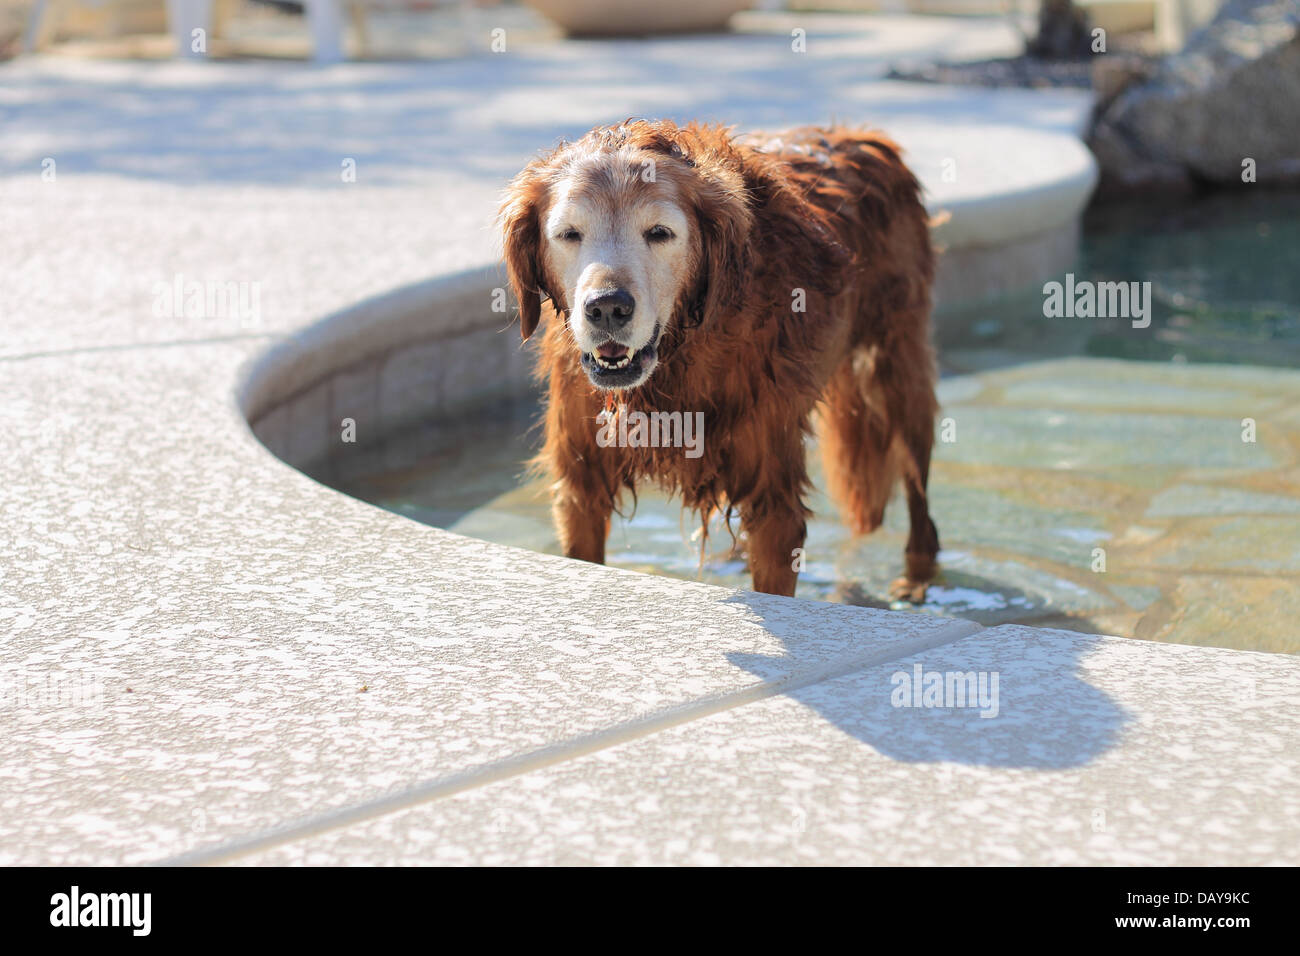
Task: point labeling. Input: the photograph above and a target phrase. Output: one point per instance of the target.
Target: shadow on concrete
(1047, 717)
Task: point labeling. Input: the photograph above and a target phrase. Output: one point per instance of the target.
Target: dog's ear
(522, 235)
(726, 227)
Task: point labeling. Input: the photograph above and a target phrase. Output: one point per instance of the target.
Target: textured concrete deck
(208, 656)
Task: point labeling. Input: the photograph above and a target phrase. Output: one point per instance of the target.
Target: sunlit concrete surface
(1086, 750)
(208, 656)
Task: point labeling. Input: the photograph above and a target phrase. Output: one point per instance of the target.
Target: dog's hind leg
(878, 426)
(856, 439)
(907, 381)
(923, 539)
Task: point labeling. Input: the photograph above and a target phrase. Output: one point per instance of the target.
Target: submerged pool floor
(1058, 470)
(1141, 482)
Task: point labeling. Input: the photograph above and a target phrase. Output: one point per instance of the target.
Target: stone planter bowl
(634, 17)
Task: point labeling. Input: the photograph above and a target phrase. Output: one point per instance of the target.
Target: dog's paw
(908, 589)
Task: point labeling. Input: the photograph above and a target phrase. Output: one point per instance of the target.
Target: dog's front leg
(582, 496)
(776, 529)
(584, 475)
(582, 516)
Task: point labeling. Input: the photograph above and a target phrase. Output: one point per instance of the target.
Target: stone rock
(1233, 94)
(1114, 73)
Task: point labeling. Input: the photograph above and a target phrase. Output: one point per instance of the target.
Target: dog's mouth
(615, 365)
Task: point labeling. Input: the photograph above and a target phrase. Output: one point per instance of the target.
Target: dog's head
(629, 231)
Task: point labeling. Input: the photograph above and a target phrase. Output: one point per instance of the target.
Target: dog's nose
(609, 310)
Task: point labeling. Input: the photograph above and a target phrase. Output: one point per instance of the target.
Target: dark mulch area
(1020, 71)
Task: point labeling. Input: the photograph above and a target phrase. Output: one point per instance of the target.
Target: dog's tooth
(612, 364)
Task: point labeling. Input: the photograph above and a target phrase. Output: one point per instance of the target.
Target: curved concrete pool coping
(997, 233)
(211, 658)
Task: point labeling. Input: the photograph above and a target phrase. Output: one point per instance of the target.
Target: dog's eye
(570, 235)
(658, 234)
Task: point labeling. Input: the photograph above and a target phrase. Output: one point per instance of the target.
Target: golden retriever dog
(746, 283)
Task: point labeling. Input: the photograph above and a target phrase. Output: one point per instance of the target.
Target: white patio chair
(44, 17)
(324, 20)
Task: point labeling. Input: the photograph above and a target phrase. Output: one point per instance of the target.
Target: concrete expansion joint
(580, 746)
